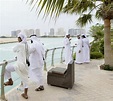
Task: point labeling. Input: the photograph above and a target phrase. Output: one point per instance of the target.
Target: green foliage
(96, 55)
(94, 47)
(97, 31)
(106, 67)
(86, 8)
(98, 47)
(111, 40)
(98, 34)
(84, 19)
(101, 46)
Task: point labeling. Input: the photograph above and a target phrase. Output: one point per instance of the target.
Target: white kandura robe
(36, 62)
(86, 50)
(67, 50)
(20, 66)
(79, 56)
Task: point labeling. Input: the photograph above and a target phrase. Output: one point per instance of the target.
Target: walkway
(91, 84)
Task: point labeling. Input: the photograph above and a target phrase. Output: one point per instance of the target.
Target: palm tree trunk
(108, 53)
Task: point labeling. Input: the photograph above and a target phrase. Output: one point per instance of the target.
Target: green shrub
(112, 45)
(111, 40)
(98, 46)
(106, 67)
(101, 46)
(96, 55)
(95, 47)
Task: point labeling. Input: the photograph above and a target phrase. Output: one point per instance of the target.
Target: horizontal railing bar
(58, 48)
(2, 63)
(13, 60)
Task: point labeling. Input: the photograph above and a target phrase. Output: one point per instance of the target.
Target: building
(51, 33)
(15, 33)
(37, 32)
(60, 32)
(75, 32)
(29, 32)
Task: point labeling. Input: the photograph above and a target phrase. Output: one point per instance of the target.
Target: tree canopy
(85, 8)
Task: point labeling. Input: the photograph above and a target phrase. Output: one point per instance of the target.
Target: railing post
(45, 67)
(61, 61)
(2, 82)
(52, 63)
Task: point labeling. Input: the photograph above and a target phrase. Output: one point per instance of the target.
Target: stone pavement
(91, 84)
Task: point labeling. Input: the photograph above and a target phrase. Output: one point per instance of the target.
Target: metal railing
(4, 63)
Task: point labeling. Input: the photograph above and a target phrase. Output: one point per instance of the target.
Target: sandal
(24, 96)
(8, 83)
(39, 88)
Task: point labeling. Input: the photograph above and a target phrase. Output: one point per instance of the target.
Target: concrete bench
(62, 77)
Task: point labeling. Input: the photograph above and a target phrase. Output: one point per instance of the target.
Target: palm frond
(52, 7)
(84, 19)
(79, 6)
(98, 14)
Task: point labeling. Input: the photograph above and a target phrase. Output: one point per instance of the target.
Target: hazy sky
(16, 14)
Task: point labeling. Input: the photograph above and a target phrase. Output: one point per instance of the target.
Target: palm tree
(102, 9)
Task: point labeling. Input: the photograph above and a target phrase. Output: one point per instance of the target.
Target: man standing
(36, 59)
(68, 52)
(20, 67)
(86, 49)
(79, 51)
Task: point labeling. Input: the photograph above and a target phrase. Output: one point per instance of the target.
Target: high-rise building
(75, 32)
(37, 32)
(26, 31)
(72, 32)
(13, 34)
(60, 32)
(51, 33)
(29, 32)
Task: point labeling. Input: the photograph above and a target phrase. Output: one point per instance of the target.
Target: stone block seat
(62, 77)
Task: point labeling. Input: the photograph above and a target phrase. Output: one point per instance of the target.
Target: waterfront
(6, 52)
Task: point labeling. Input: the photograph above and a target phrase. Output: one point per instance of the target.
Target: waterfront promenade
(91, 84)
(7, 40)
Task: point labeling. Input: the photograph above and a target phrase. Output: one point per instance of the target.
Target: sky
(16, 15)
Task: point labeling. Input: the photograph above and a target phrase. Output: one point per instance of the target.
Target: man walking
(36, 59)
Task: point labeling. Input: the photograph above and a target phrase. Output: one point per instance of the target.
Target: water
(6, 52)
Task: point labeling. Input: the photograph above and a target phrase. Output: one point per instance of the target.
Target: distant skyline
(16, 15)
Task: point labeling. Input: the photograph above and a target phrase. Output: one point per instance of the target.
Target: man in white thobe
(79, 51)
(67, 50)
(20, 66)
(36, 62)
(86, 49)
